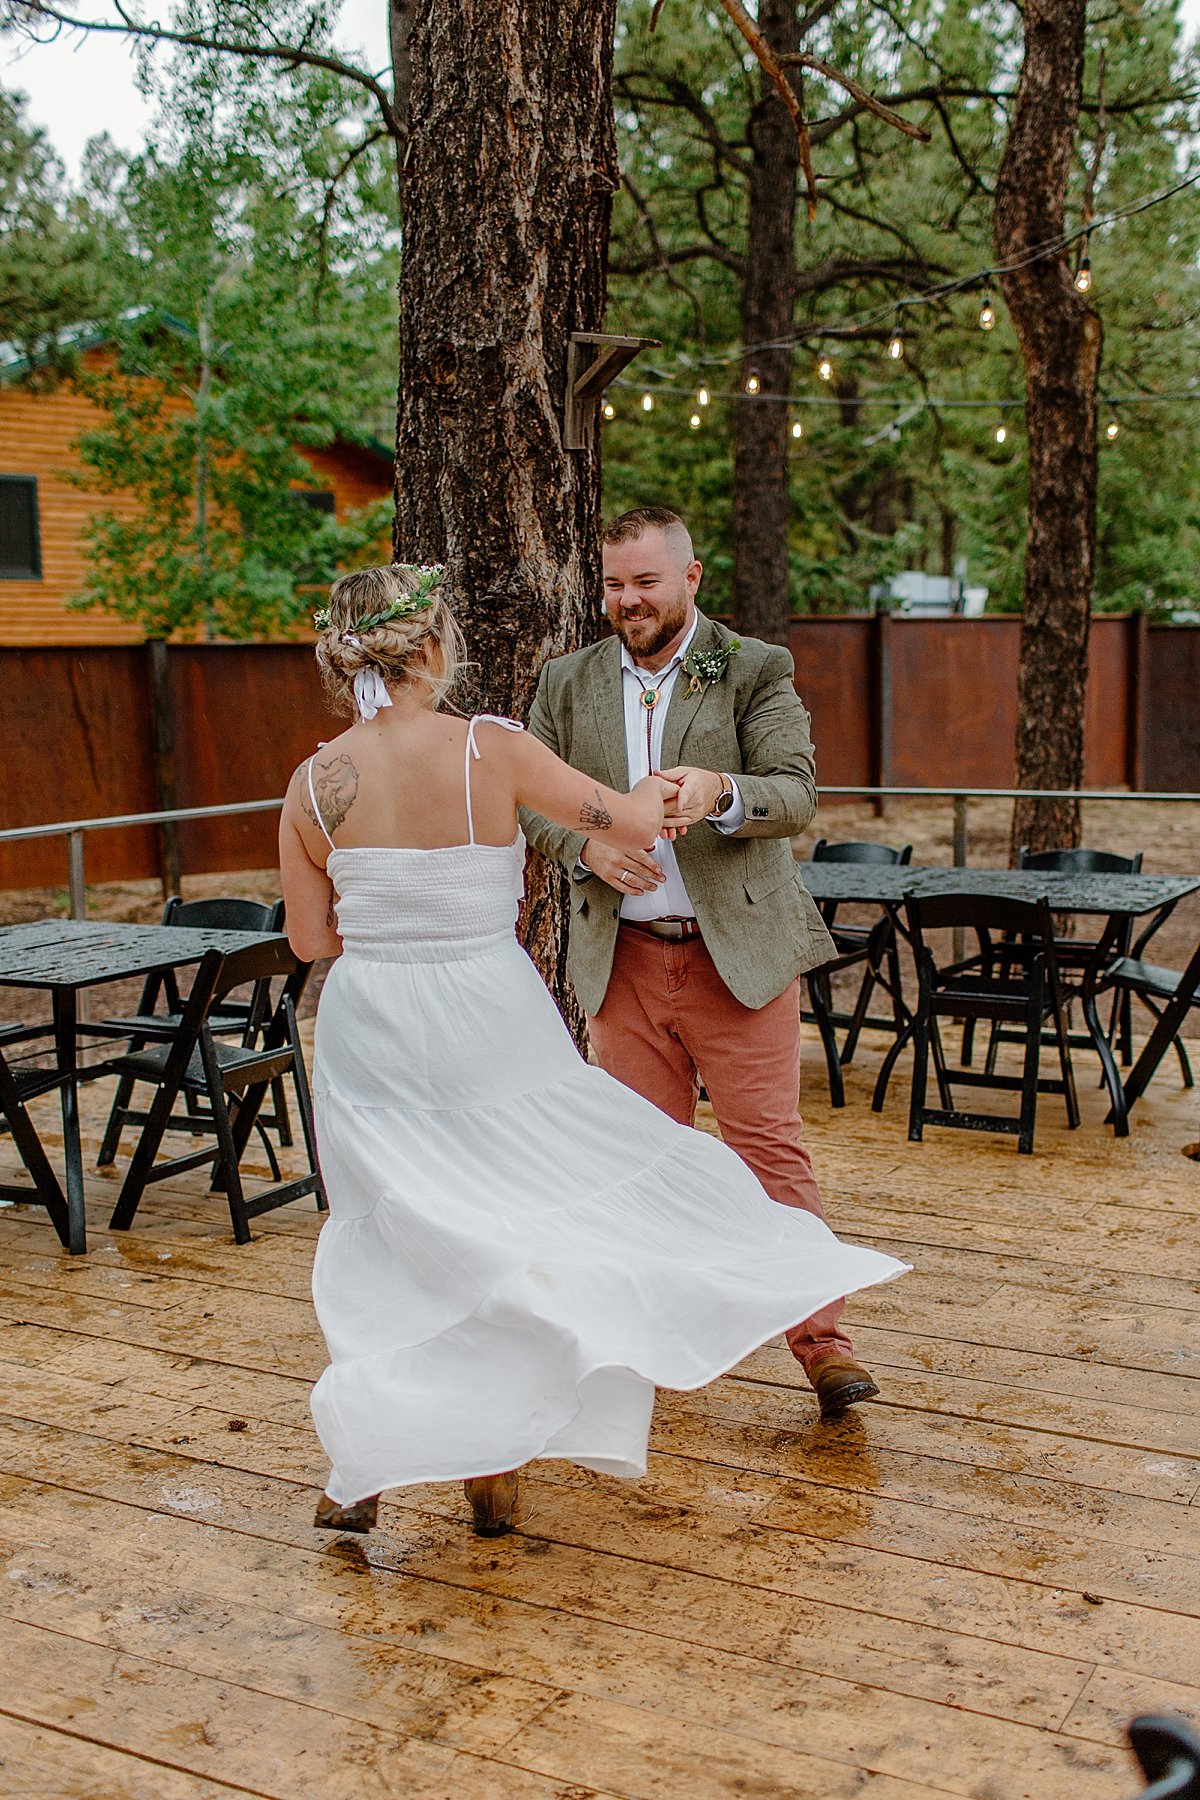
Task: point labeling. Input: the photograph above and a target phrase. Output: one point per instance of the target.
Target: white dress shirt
(670, 898)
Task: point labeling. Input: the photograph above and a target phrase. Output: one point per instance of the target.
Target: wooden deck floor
(965, 1588)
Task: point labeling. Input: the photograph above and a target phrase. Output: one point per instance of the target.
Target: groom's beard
(646, 633)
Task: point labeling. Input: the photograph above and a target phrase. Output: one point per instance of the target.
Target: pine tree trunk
(509, 176)
(1060, 343)
(761, 484)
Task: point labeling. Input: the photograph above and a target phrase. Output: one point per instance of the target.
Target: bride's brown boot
(359, 1517)
(492, 1498)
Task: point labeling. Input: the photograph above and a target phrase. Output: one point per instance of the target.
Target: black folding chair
(241, 1018)
(186, 1059)
(1075, 953)
(1157, 988)
(875, 950)
(17, 1087)
(869, 955)
(1168, 1753)
(1024, 989)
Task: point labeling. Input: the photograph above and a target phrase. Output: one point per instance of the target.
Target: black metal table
(62, 957)
(1118, 899)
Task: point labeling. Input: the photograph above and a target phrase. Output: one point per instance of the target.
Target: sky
(80, 86)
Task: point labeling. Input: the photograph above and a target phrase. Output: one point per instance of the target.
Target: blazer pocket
(769, 881)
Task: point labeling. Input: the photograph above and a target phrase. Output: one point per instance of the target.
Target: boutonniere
(707, 666)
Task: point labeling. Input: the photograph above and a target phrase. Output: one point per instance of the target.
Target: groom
(686, 957)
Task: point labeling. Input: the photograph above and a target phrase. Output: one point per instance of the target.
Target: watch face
(724, 802)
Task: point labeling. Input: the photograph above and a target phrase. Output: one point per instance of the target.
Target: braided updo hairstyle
(425, 646)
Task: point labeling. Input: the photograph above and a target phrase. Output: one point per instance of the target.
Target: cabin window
(20, 542)
(319, 499)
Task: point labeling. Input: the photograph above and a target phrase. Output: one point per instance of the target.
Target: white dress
(518, 1248)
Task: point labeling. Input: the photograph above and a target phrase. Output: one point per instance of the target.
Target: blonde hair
(398, 648)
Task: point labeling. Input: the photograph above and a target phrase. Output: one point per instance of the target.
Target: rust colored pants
(668, 1022)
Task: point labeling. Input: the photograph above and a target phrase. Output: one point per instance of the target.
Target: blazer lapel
(684, 703)
(608, 707)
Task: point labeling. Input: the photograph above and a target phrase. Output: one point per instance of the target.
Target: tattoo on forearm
(336, 786)
(596, 818)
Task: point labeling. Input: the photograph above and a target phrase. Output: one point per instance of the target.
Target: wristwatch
(724, 799)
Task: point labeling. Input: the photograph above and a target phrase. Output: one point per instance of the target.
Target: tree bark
(1060, 339)
(761, 482)
(509, 176)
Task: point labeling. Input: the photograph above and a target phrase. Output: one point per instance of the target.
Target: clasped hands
(689, 795)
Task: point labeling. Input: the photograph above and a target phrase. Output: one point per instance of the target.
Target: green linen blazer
(757, 918)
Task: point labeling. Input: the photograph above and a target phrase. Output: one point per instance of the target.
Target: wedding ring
(625, 875)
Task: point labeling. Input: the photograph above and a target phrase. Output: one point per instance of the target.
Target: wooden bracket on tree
(593, 360)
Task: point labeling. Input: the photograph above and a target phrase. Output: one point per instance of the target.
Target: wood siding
(38, 432)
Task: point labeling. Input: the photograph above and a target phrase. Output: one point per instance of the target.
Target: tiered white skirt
(519, 1249)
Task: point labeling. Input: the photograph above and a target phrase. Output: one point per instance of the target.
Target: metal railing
(75, 830)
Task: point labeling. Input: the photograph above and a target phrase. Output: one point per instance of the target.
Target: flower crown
(429, 577)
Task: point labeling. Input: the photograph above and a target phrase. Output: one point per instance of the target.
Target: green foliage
(53, 267)
(897, 219)
(252, 261)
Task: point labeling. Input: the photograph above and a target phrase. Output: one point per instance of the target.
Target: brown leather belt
(676, 931)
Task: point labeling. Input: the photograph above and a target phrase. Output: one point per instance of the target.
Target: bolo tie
(648, 699)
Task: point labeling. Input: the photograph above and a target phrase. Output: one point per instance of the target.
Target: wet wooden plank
(210, 1727)
(35, 1760)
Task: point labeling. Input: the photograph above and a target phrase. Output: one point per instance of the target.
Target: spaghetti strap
(316, 809)
(473, 751)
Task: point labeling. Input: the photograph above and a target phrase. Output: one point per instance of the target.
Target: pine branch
(26, 14)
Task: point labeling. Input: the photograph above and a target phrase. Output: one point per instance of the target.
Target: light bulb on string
(695, 421)
(702, 396)
(797, 429)
(1001, 432)
(824, 368)
(987, 314)
(1113, 427)
(647, 402)
(753, 383)
(895, 347)
(1083, 273)
(609, 410)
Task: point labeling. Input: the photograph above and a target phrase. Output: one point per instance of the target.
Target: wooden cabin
(43, 515)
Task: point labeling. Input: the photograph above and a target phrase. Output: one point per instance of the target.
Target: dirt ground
(1167, 833)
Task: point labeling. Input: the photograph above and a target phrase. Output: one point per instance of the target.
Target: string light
(647, 402)
(702, 396)
(987, 314)
(753, 384)
(1001, 433)
(694, 421)
(1113, 426)
(895, 347)
(797, 429)
(1083, 273)
(825, 368)
(609, 410)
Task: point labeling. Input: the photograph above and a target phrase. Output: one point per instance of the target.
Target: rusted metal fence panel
(74, 726)
(835, 680)
(1172, 708)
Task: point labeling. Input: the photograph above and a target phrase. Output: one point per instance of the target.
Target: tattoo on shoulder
(596, 818)
(335, 784)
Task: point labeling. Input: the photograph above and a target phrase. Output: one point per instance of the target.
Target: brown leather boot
(359, 1517)
(492, 1498)
(839, 1381)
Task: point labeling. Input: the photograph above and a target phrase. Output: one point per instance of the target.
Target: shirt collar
(627, 661)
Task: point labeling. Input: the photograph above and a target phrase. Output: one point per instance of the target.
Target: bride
(518, 1249)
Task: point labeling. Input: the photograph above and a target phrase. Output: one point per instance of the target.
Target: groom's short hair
(641, 519)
